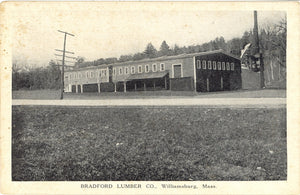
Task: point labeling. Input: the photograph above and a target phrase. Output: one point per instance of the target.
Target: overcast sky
(101, 31)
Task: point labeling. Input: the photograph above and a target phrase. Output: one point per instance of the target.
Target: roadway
(187, 101)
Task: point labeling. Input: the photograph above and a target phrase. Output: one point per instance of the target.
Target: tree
(124, 58)
(100, 61)
(138, 56)
(111, 60)
(233, 46)
(150, 51)
(164, 49)
(176, 50)
(79, 61)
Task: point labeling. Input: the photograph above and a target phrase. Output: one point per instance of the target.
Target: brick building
(201, 72)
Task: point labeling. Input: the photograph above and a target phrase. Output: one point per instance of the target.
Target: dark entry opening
(73, 88)
(90, 88)
(79, 88)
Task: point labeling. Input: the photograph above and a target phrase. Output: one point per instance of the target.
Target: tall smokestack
(257, 52)
(255, 33)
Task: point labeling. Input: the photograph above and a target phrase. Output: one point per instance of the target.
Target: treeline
(272, 40)
(36, 78)
(164, 50)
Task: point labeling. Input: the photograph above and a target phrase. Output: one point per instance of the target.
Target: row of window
(214, 65)
(125, 70)
(89, 74)
(121, 70)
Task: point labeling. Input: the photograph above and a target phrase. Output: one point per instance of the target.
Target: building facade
(201, 72)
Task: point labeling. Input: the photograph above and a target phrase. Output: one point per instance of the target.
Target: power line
(64, 51)
(66, 56)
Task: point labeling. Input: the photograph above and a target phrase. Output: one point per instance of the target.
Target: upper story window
(120, 71)
(223, 65)
(214, 65)
(132, 69)
(154, 68)
(232, 66)
(92, 74)
(114, 71)
(219, 66)
(162, 67)
(209, 65)
(70, 75)
(87, 74)
(103, 72)
(204, 64)
(126, 70)
(140, 69)
(198, 64)
(147, 68)
(227, 66)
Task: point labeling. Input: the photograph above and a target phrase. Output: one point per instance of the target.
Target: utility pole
(258, 52)
(63, 63)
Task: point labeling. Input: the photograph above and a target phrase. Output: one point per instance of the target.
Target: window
(126, 70)
(177, 71)
(132, 69)
(227, 66)
(114, 71)
(223, 65)
(232, 66)
(154, 69)
(204, 64)
(146, 68)
(70, 76)
(92, 74)
(103, 73)
(162, 67)
(209, 65)
(198, 64)
(140, 68)
(80, 75)
(120, 71)
(219, 66)
(87, 74)
(214, 65)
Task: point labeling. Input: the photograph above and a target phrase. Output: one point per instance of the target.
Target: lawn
(51, 143)
(55, 94)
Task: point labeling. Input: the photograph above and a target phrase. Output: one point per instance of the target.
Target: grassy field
(148, 143)
(55, 94)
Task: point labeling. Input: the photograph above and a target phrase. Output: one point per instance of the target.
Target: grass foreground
(51, 143)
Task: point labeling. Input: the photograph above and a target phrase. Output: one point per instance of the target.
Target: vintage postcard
(149, 98)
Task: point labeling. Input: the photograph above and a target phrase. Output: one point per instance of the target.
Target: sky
(110, 30)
